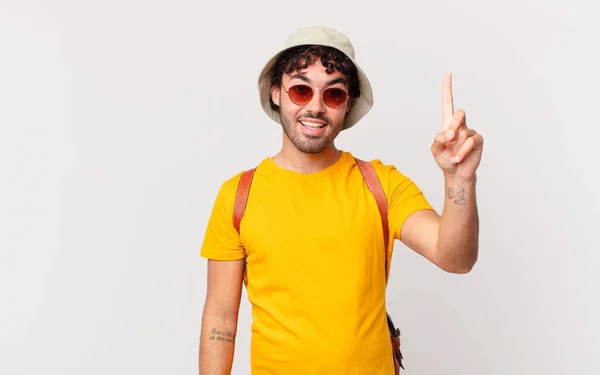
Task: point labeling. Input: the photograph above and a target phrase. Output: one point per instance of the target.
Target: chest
(312, 225)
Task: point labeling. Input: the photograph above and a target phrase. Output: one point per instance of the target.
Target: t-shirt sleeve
(221, 240)
(404, 197)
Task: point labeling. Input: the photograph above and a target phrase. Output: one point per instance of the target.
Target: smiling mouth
(310, 124)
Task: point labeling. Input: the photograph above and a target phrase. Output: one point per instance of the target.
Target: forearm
(217, 344)
(458, 239)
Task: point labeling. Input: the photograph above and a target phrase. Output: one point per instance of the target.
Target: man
(310, 246)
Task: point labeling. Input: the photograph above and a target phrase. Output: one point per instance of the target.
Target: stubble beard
(304, 143)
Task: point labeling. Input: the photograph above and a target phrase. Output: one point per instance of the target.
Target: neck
(293, 159)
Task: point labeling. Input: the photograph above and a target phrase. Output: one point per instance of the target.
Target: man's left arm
(451, 240)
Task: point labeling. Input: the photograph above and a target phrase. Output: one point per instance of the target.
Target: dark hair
(300, 57)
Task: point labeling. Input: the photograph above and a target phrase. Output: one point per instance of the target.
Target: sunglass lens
(301, 94)
(334, 97)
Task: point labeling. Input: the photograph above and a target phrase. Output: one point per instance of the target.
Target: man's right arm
(220, 316)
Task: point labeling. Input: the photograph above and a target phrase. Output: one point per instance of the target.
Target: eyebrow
(328, 83)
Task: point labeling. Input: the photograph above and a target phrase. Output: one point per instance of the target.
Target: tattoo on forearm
(225, 336)
(458, 197)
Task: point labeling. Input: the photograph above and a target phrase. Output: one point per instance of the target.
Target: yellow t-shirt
(315, 265)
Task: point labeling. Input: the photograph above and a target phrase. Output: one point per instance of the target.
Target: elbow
(459, 269)
(461, 264)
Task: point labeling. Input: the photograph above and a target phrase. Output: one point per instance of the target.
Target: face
(311, 127)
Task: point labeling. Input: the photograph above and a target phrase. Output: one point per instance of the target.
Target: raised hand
(457, 149)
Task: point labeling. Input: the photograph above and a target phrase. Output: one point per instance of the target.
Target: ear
(275, 94)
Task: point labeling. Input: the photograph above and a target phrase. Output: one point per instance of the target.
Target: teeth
(312, 124)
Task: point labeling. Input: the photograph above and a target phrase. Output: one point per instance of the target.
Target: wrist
(453, 178)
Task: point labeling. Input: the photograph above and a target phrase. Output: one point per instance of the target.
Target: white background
(120, 119)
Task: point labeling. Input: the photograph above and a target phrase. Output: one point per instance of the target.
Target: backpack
(374, 185)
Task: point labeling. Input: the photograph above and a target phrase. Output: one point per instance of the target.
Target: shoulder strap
(241, 197)
(374, 185)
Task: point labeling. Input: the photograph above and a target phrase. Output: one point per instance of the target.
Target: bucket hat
(325, 36)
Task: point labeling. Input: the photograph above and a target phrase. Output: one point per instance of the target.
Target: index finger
(447, 101)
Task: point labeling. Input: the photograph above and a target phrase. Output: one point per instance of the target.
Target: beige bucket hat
(324, 36)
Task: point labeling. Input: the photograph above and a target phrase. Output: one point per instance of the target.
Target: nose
(316, 104)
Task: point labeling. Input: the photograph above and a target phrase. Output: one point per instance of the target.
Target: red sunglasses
(301, 94)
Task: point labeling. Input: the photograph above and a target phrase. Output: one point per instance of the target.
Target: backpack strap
(241, 197)
(374, 185)
(239, 206)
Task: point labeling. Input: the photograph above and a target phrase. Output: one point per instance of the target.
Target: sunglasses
(301, 94)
